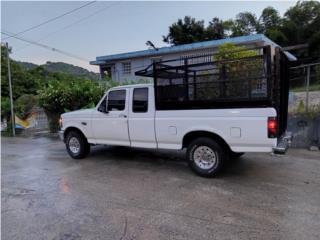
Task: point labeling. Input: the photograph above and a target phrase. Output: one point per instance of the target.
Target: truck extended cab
(127, 116)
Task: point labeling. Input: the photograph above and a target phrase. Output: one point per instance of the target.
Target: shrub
(301, 107)
(232, 51)
(314, 111)
(24, 104)
(61, 96)
(5, 108)
(231, 72)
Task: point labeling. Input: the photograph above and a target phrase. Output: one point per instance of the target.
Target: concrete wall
(305, 130)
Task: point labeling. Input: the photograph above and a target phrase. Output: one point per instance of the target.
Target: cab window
(140, 100)
(116, 100)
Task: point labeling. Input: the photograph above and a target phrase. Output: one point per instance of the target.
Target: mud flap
(283, 143)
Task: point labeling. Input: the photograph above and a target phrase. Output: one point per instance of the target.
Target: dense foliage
(231, 74)
(62, 68)
(24, 104)
(232, 51)
(190, 30)
(299, 25)
(55, 92)
(23, 81)
(62, 96)
(5, 107)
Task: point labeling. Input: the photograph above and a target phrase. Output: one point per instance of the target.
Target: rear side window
(140, 100)
(117, 100)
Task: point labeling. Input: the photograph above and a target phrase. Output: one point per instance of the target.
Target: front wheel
(77, 145)
(206, 157)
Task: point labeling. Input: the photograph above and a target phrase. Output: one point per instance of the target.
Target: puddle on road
(64, 185)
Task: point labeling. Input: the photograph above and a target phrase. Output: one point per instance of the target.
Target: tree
(22, 81)
(61, 96)
(245, 24)
(269, 19)
(189, 30)
(184, 31)
(216, 29)
(24, 105)
(5, 108)
(228, 78)
(302, 24)
(229, 51)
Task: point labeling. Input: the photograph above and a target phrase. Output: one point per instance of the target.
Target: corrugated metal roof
(182, 48)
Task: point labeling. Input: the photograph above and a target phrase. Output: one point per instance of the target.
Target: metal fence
(41, 119)
(36, 121)
(304, 87)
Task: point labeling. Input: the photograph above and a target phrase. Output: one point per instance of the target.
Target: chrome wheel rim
(74, 145)
(204, 157)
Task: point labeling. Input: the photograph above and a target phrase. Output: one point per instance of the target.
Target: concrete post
(307, 89)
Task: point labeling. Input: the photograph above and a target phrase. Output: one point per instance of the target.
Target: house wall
(142, 63)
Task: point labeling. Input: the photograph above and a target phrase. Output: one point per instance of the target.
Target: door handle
(122, 115)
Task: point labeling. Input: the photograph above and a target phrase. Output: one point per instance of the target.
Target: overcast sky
(113, 27)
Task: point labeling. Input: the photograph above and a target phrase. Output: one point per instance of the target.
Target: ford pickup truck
(215, 108)
(126, 116)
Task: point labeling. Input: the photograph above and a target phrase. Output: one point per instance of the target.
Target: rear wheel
(206, 157)
(77, 145)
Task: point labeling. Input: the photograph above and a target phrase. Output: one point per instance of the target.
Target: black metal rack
(200, 82)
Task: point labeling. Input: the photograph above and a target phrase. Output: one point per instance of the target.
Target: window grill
(126, 68)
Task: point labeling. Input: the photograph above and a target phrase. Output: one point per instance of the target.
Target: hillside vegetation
(55, 91)
(63, 68)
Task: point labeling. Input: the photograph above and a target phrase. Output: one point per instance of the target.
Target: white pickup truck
(127, 116)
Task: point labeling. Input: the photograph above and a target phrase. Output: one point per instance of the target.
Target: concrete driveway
(122, 194)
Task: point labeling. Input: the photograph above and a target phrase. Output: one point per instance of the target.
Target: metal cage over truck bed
(260, 79)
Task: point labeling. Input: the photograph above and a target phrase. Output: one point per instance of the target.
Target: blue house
(122, 67)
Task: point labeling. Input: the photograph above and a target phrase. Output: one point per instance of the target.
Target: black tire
(84, 147)
(235, 155)
(206, 146)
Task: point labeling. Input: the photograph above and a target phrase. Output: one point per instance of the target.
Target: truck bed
(245, 130)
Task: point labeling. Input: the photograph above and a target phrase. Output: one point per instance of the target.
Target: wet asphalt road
(121, 193)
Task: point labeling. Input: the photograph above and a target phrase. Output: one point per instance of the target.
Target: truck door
(141, 118)
(111, 127)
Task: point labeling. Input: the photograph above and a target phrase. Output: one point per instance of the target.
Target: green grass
(314, 87)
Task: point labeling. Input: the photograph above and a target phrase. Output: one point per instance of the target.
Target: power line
(51, 20)
(47, 47)
(70, 25)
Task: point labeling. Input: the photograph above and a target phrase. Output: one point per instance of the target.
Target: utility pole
(10, 92)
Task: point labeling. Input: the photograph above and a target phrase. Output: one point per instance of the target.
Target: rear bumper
(284, 143)
(61, 135)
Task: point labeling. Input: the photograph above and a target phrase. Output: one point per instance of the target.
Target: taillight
(272, 127)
